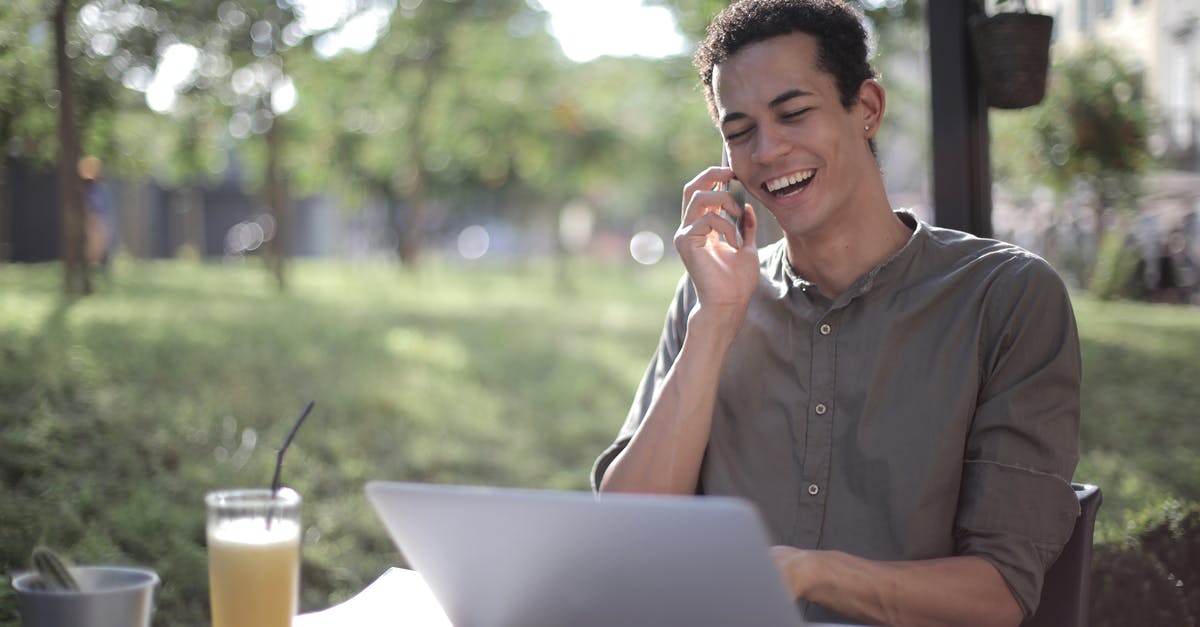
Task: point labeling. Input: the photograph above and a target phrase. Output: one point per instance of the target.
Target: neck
(841, 252)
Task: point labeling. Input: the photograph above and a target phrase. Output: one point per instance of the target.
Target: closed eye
(739, 134)
(795, 114)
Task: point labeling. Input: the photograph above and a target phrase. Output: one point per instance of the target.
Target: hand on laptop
(944, 591)
(793, 564)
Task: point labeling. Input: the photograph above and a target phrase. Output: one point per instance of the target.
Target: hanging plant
(1012, 52)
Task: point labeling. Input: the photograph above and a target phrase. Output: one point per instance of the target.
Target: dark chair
(1065, 591)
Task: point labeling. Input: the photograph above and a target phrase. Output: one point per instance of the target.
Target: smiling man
(900, 401)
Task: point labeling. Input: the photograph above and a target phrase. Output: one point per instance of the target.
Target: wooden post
(962, 180)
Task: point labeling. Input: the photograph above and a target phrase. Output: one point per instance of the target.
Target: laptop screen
(497, 557)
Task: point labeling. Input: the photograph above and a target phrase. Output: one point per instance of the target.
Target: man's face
(791, 142)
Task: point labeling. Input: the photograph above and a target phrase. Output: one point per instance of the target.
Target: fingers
(706, 195)
(696, 233)
(704, 201)
(715, 178)
(707, 180)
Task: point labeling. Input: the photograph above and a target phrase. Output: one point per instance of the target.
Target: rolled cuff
(605, 460)
(1018, 520)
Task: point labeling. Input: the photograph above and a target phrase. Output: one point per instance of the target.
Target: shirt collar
(787, 279)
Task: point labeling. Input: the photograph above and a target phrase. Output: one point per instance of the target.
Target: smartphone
(739, 195)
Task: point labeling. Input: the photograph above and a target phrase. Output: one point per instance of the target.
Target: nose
(770, 144)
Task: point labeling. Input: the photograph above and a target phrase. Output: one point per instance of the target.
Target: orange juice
(254, 572)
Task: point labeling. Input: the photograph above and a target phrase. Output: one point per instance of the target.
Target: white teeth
(791, 179)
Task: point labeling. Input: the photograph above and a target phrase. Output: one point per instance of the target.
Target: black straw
(283, 449)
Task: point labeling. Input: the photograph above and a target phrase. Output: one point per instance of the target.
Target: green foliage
(1116, 267)
(469, 105)
(694, 16)
(457, 119)
(27, 123)
(1091, 129)
(1152, 576)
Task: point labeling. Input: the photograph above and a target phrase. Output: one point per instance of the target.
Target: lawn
(119, 411)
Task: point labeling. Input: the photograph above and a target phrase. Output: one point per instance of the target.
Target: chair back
(1064, 600)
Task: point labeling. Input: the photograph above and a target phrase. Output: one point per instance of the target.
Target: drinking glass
(253, 557)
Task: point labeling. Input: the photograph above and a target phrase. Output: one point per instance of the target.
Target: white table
(399, 598)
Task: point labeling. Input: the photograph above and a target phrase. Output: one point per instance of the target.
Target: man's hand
(725, 275)
(665, 452)
(961, 590)
(790, 562)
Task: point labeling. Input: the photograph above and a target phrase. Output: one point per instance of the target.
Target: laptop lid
(499, 557)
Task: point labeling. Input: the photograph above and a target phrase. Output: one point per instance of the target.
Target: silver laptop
(501, 557)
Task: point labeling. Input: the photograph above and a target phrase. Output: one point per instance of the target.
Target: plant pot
(1012, 51)
(109, 596)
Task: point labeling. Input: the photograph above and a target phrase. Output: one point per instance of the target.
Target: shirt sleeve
(669, 345)
(1016, 507)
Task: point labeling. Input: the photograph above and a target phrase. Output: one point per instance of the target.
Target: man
(900, 401)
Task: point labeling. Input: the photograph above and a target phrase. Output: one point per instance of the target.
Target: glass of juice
(253, 557)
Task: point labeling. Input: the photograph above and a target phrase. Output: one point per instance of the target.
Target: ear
(872, 100)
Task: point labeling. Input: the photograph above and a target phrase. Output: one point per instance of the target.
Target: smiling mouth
(789, 184)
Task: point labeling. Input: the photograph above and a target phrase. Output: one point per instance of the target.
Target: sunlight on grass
(176, 378)
(120, 410)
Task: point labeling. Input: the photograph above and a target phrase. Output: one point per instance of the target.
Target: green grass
(1141, 406)
(119, 411)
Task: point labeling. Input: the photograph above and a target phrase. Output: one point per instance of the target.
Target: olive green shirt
(931, 410)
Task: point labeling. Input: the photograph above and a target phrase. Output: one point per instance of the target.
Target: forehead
(764, 69)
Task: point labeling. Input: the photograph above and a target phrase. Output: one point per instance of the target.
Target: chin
(799, 222)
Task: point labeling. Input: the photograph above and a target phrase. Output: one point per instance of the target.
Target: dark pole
(962, 180)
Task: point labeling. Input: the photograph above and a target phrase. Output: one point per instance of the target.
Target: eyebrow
(775, 102)
(788, 95)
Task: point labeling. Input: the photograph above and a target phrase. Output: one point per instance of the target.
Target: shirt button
(820, 409)
(813, 489)
(825, 329)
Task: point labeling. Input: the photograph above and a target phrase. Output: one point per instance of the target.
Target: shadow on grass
(121, 412)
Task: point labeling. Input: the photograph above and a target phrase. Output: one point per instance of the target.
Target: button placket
(822, 390)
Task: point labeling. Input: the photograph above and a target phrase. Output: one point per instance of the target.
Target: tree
(458, 97)
(230, 81)
(1089, 135)
(77, 273)
(52, 91)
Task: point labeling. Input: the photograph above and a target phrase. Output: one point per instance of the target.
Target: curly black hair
(837, 26)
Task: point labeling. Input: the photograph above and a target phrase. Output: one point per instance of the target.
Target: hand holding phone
(738, 195)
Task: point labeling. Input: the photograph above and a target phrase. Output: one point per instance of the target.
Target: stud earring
(867, 127)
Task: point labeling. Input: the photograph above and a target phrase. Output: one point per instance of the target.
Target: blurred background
(450, 223)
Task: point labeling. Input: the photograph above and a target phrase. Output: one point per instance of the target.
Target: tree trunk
(77, 274)
(412, 235)
(1099, 207)
(275, 188)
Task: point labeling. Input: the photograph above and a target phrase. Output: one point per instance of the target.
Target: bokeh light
(473, 242)
(646, 247)
(575, 225)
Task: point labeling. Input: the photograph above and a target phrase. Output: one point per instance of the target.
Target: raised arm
(665, 452)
